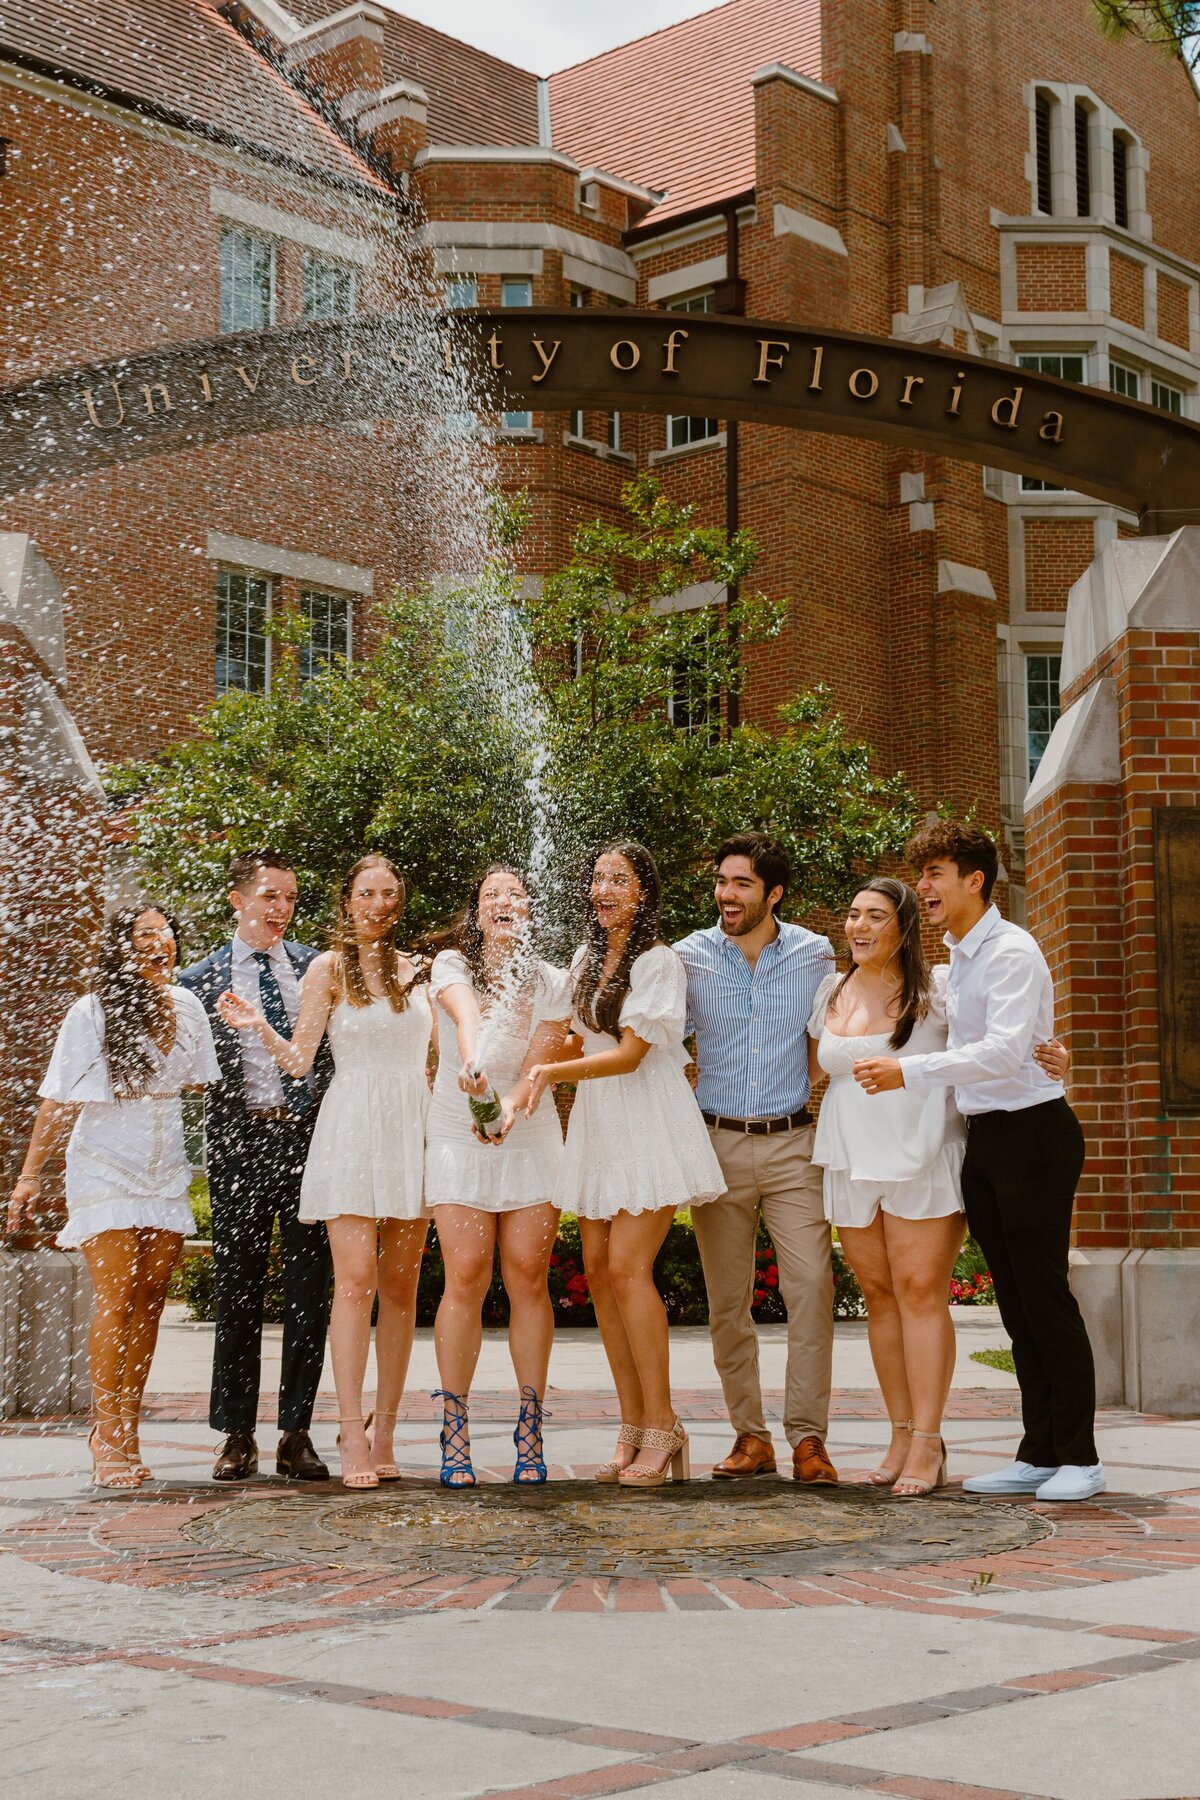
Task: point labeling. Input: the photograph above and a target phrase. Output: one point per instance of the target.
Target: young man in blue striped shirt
(751, 983)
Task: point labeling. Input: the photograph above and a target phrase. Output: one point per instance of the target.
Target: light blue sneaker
(1074, 1481)
(1017, 1478)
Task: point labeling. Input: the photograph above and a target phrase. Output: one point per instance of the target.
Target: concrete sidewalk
(187, 1639)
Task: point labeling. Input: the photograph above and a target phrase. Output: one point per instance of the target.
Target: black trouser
(252, 1179)
(1019, 1178)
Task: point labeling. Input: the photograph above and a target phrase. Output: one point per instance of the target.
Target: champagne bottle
(487, 1114)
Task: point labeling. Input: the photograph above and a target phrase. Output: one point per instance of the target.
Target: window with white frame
(1041, 704)
(243, 649)
(1124, 381)
(614, 431)
(517, 291)
(247, 281)
(1066, 367)
(682, 429)
(328, 288)
(461, 291)
(328, 617)
(1169, 398)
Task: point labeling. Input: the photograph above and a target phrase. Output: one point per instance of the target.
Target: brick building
(998, 179)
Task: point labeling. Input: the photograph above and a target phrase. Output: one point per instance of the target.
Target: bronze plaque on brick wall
(1177, 883)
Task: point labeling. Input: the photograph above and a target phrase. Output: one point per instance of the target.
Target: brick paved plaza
(910, 1656)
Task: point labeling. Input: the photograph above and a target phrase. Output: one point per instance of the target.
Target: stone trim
(672, 451)
(777, 71)
(359, 21)
(1084, 747)
(959, 578)
(299, 565)
(272, 221)
(494, 153)
(911, 43)
(683, 281)
(790, 223)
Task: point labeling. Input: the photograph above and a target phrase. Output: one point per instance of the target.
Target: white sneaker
(1017, 1478)
(1074, 1481)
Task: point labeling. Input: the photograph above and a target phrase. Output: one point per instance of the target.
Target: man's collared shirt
(999, 1004)
(260, 1071)
(751, 1025)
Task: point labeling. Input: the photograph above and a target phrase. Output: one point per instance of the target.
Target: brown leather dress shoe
(811, 1464)
(238, 1460)
(750, 1456)
(297, 1459)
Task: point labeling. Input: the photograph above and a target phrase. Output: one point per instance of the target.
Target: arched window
(1083, 160)
(1121, 179)
(1041, 138)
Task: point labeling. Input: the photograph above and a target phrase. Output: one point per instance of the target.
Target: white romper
(901, 1150)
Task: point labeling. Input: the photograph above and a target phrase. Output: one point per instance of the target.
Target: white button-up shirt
(999, 1004)
(260, 1071)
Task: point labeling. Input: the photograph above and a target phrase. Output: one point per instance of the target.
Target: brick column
(1124, 748)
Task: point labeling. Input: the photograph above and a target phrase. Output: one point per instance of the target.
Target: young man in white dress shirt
(258, 1127)
(1024, 1156)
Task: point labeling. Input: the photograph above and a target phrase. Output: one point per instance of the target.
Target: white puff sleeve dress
(636, 1143)
(901, 1150)
(524, 1169)
(127, 1169)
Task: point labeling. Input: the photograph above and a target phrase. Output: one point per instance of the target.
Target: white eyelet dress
(901, 1150)
(367, 1156)
(636, 1143)
(127, 1169)
(524, 1169)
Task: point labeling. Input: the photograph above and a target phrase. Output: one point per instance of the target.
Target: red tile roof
(182, 60)
(474, 98)
(675, 110)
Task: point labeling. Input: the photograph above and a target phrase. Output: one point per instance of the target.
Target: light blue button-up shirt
(751, 1025)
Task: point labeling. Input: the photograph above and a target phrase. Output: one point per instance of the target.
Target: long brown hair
(465, 935)
(351, 980)
(138, 1014)
(599, 1002)
(915, 981)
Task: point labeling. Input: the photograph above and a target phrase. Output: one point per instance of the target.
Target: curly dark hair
(915, 980)
(598, 1002)
(968, 847)
(464, 934)
(138, 1014)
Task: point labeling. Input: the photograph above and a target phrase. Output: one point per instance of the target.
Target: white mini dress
(367, 1156)
(901, 1150)
(524, 1169)
(636, 1143)
(127, 1169)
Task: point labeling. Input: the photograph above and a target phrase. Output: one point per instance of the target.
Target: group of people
(944, 1093)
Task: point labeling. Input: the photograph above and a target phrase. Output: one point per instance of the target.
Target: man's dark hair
(966, 846)
(243, 869)
(766, 856)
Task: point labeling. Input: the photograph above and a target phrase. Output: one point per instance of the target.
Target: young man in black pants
(1023, 1161)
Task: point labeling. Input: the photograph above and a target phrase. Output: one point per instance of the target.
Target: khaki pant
(774, 1176)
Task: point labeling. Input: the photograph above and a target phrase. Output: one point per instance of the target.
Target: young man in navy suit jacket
(258, 1123)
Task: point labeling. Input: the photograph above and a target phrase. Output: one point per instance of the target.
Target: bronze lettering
(398, 357)
(670, 344)
(252, 385)
(495, 346)
(1051, 428)
(856, 388)
(149, 389)
(447, 352)
(547, 362)
(956, 394)
(90, 403)
(206, 387)
(818, 356)
(615, 360)
(303, 380)
(771, 352)
(910, 382)
(346, 356)
(1011, 403)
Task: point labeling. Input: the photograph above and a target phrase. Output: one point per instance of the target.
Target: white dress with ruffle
(524, 1169)
(636, 1143)
(127, 1169)
(901, 1150)
(367, 1157)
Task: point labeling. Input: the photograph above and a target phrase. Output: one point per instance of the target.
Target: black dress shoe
(238, 1460)
(297, 1459)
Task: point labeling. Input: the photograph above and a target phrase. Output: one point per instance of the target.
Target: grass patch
(995, 1359)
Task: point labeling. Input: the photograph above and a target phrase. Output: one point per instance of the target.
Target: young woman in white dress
(637, 1147)
(365, 1166)
(892, 1165)
(124, 1053)
(509, 1010)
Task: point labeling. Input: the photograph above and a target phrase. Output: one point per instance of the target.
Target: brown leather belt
(278, 1115)
(759, 1127)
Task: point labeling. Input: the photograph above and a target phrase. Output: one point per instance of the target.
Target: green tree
(486, 724)
(1171, 25)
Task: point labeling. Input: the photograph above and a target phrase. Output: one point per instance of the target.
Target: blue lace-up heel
(531, 1466)
(455, 1441)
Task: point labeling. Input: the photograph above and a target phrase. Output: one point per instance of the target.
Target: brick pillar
(1124, 750)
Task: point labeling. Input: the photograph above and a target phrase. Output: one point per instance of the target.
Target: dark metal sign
(936, 400)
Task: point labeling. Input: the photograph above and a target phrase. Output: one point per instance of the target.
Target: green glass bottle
(487, 1114)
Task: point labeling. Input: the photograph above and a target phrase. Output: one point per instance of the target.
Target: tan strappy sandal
(886, 1477)
(633, 1437)
(916, 1490)
(644, 1475)
(365, 1478)
(385, 1471)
